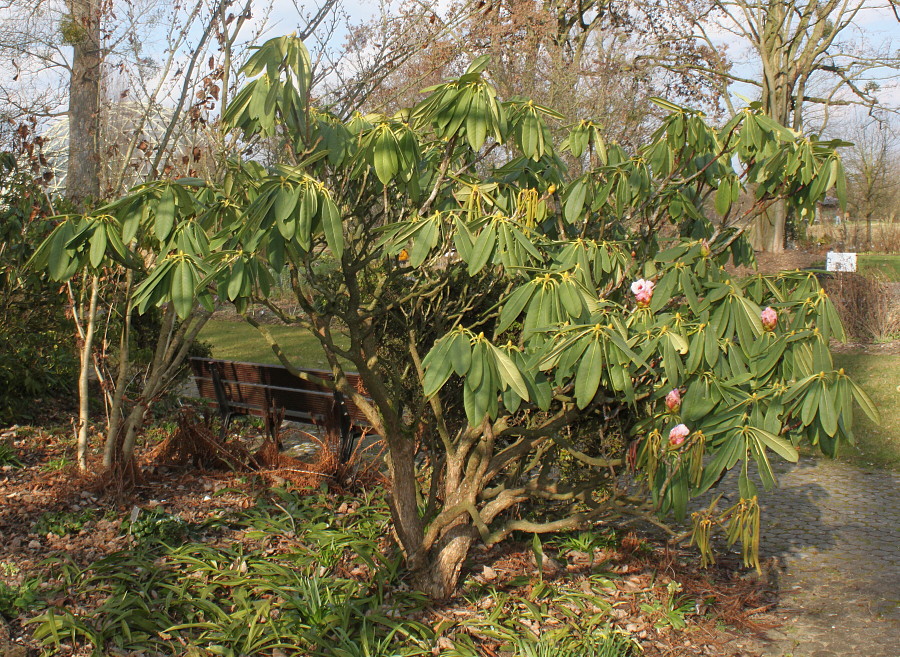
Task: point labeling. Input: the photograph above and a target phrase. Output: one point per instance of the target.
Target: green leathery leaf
(590, 369)
(165, 215)
(438, 370)
(679, 343)
(571, 298)
(183, 288)
(60, 262)
(840, 187)
(695, 353)
(822, 361)
(723, 197)
(531, 136)
(746, 488)
(697, 402)
(777, 444)
(385, 156)
(662, 294)
(154, 288)
(477, 122)
(235, 280)
(763, 466)
(120, 251)
(460, 353)
(437, 352)
(864, 401)
(511, 401)
(435, 377)
(479, 400)
(478, 65)
(474, 412)
(574, 202)
(482, 249)
(729, 451)
(98, 245)
(526, 243)
(132, 221)
(514, 306)
(285, 201)
(810, 404)
(711, 350)
(332, 225)
(425, 240)
(462, 239)
(477, 365)
(828, 412)
(509, 372)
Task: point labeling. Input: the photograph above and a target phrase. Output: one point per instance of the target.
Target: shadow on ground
(832, 531)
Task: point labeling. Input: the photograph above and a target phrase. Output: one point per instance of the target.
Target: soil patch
(723, 607)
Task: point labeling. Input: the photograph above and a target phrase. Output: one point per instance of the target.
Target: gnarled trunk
(440, 568)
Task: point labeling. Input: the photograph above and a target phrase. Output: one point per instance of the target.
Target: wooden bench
(272, 392)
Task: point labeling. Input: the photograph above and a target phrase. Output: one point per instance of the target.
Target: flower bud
(673, 400)
(643, 291)
(769, 318)
(678, 434)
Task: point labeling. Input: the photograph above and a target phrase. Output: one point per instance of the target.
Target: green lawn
(874, 264)
(237, 340)
(882, 265)
(879, 375)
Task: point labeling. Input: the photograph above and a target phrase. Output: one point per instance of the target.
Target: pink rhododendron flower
(673, 400)
(678, 434)
(769, 318)
(643, 291)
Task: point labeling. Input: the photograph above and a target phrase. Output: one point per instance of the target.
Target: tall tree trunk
(83, 32)
(769, 229)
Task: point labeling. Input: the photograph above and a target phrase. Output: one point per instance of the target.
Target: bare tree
(872, 163)
(593, 59)
(810, 58)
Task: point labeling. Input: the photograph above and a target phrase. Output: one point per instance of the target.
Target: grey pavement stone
(834, 531)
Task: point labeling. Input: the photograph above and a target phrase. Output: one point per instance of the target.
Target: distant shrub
(35, 359)
(868, 305)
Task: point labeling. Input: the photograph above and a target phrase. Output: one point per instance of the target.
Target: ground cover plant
(256, 570)
(526, 331)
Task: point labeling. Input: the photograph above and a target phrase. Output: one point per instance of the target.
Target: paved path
(835, 532)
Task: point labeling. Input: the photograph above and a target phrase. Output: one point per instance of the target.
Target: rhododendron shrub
(510, 316)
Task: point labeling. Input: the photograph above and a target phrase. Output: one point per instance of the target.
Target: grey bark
(82, 30)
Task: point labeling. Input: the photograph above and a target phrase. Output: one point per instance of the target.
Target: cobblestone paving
(834, 530)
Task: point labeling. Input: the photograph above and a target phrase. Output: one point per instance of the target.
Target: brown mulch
(773, 263)
(731, 605)
(891, 348)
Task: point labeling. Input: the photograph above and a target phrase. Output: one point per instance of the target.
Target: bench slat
(276, 375)
(257, 389)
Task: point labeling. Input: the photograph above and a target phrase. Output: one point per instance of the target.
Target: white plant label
(836, 261)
